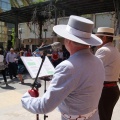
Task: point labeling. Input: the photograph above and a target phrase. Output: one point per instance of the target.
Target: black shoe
(6, 84)
(15, 76)
(22, 82)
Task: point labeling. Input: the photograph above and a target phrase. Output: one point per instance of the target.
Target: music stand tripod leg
(38, 85)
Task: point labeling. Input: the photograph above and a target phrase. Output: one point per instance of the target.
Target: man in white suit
(77, 83)
(111, 61)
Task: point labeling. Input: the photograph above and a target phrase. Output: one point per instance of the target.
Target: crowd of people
(13, 65)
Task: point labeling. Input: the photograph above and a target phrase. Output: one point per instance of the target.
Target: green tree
(38, 1)
(13, 37)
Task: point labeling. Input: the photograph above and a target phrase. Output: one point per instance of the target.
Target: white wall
(63, 20)
(100, 20)
(26, 33)
(103, 20)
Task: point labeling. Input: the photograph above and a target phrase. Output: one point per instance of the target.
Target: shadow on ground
(8, 87)
(27, 84)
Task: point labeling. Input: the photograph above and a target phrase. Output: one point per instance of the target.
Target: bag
(2, 66)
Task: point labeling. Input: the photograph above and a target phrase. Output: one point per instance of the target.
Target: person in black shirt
(21, 67)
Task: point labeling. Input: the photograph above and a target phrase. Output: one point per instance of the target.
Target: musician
(77, 83)
(111, 61)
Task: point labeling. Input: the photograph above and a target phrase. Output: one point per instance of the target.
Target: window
(5, 1)
(9, 7)
(5, 5)
(103, 20)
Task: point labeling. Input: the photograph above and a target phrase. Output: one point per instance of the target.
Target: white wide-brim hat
(105, 31)
(79, 30)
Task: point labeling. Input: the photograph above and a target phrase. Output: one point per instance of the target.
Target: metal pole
(45, 37)
(55, 35)
(19, 41)
(117, 6)
(16, 32)
(55, 15)
(20, 33)
(55, 9)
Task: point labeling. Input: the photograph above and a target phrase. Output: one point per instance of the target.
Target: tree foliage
(38, 1)
(13, 37)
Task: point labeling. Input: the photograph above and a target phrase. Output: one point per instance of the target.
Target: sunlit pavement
(10, 101)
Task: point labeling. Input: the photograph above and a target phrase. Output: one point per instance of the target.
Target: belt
(79, 117)
(110, 84)
(11, 62)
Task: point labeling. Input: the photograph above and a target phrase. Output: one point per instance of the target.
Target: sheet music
(32, 64)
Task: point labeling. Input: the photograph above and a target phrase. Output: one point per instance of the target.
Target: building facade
(4, 27)
(28, 33)
(31, 38)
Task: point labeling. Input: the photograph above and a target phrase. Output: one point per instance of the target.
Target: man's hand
(33, 93)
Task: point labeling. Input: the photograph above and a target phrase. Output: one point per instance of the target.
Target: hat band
(105, 33)
(78, 33)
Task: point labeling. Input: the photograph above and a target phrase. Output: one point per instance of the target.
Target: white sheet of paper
(33, 63)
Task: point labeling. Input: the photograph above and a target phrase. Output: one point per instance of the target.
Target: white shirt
(10, 57)
(1, 58)
(111, 61)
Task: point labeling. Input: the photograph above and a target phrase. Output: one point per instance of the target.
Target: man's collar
(108, 44)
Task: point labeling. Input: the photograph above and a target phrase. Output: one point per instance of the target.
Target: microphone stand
(37, 85)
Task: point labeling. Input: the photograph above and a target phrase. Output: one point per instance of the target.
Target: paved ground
(10, 107)
(10, 104)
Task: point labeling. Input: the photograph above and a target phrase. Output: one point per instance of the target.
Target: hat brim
(104, 35)
(61, 31)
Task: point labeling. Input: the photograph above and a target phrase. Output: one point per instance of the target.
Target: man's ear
(104, 37)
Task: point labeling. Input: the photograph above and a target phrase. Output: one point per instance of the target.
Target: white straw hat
(105, 31)
(79, 30)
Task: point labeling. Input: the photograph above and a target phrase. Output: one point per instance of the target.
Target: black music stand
(37, 84)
